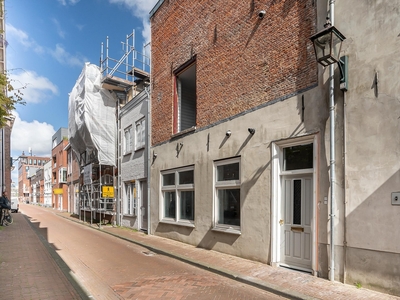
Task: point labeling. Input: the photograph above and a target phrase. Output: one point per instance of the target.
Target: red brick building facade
(242, 61)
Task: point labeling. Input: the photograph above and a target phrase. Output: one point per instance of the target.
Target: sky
(49, 41)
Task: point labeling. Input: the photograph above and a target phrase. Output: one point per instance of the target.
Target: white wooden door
(295, 222)
(143, 206)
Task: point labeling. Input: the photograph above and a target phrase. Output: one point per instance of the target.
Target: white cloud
(59, 53)
(60, 32)
(141, 10)
(38, 88)
(30, 135)
(65, 58)
(23, 38)
(34, 135)
(66, 2)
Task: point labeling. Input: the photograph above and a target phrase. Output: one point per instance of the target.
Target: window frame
(234, 184)
(177, 189)
(62, 175)
(178, 104)
(125, 145)
(142, 123)
(130, 199)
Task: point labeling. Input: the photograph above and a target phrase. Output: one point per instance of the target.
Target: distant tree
(9, 98)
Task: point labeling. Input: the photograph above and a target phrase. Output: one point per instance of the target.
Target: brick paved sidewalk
(288, 283)
(30, 268)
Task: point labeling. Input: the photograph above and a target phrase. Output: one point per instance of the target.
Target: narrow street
(111, 268)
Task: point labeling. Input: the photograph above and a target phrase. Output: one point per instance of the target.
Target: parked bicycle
(6, 217)
(5, 205)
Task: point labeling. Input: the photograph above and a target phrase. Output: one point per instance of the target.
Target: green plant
(9, 98)
(358, 285)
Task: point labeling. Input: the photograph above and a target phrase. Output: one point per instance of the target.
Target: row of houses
(240, 142)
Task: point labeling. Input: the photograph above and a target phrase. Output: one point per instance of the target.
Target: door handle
(281, 222)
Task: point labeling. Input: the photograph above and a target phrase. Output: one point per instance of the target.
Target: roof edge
(156, 7)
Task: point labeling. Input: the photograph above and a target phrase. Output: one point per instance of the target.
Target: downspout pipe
(332, 153)
(149, 159)
(119, 187)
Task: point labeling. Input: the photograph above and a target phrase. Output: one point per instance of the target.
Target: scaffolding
(97, 194)
(123, 79)
(131, 71)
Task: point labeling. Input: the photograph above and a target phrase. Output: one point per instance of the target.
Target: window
(128, 140)
(227, 194)
(185, 97)
(130, 199)
(178, 195)
(298, 157)
(140, 134)
(69, 162)
(62, 175)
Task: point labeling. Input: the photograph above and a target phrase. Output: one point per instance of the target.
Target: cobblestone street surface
(41, 257)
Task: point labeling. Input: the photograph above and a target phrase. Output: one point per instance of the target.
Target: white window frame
(226, 185)
(69, 162)
(130, 199)
(177, 188)
(62, 175)
(140, 134)
(127, 140)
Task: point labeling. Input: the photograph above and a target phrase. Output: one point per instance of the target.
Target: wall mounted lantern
(327, 46)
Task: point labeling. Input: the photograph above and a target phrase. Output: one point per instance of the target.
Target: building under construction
(93, 127)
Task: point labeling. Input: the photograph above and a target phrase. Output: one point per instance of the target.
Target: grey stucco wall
(372, 132)
(367, 158)
(281, 120)
(134, 164)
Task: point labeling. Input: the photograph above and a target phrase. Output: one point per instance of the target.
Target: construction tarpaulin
(91, 117)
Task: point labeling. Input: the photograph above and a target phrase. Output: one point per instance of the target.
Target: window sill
(183, 132)
(139, 148)
(179, 223)
(130, 216)
(128, 153)
(229, 230)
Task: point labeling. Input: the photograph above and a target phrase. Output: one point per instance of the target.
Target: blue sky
(48, 43)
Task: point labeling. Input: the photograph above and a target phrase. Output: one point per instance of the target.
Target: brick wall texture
(242, 61)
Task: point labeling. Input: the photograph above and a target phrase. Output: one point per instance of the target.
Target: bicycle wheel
(9, 219)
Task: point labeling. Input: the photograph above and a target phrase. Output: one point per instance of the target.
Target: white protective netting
(91, 117)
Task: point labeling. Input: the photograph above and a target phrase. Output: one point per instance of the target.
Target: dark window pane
(228, 172)
(229, 207)
(169, 179)
(297, 202)
(298, 157)
(186, 177)
(187, 205)
(169, 204)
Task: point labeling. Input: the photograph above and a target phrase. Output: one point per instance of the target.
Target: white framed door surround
(277, 194)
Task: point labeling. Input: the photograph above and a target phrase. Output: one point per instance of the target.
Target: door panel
(143, 206)
(296, 222)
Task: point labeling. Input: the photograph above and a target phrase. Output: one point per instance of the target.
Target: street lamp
(327, 45)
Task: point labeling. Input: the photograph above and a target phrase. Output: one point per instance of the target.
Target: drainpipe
(344, 184)
(149, 158)
(119, 187)
(332, 151)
